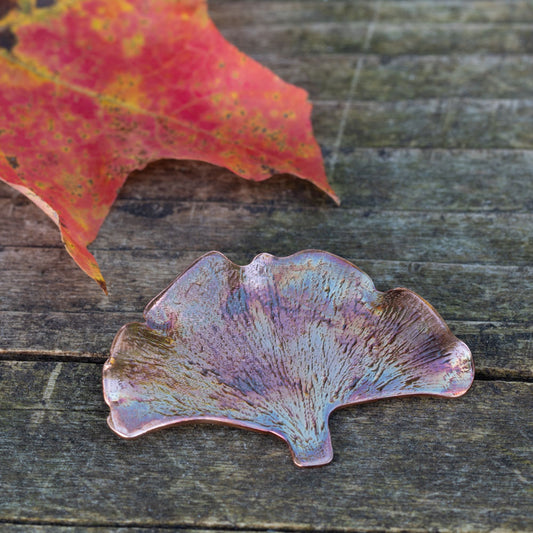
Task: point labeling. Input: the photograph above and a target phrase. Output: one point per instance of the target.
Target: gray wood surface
(424, 112)
(418, 462)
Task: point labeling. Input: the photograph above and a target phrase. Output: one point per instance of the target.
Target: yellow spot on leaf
(99, 24)
(304, 150)
(126, 87)
(133, 46)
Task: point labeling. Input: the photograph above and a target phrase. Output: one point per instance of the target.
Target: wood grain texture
(497, 237)
(388, 78)
(432, 455)
(450, 123)
(433, 164)
(231, 13)
(389, 39)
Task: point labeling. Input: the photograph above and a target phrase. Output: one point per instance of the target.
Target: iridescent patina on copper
(276, 346)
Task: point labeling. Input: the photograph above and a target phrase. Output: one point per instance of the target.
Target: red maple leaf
(93, 89)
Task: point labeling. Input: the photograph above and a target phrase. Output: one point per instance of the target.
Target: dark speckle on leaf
(13, 162)
(6, 6)
(149, 210)
(45, 3)
(7, 39)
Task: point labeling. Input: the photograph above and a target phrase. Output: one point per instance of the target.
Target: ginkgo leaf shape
(276, 346)
(94, 89)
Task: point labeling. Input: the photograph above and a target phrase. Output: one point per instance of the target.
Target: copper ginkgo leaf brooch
(276, 346)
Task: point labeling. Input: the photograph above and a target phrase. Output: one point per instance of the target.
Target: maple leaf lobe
(97, 89)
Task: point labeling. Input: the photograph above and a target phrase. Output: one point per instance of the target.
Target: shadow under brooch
(276, 346)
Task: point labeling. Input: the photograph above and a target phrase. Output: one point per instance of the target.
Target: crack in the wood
(197, 527)
(497, 376)
(66, 357)
(88, 410)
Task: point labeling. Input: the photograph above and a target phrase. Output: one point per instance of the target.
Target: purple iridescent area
(276, 346)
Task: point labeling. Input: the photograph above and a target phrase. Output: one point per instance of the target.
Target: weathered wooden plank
(41, 280)
(388, 78)
(404, 457)
(476, 76)
(439, 180)
(496, 237)
(390, 39)
(231, 13)
(399, 179)
(450, 123)
(60, 335)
